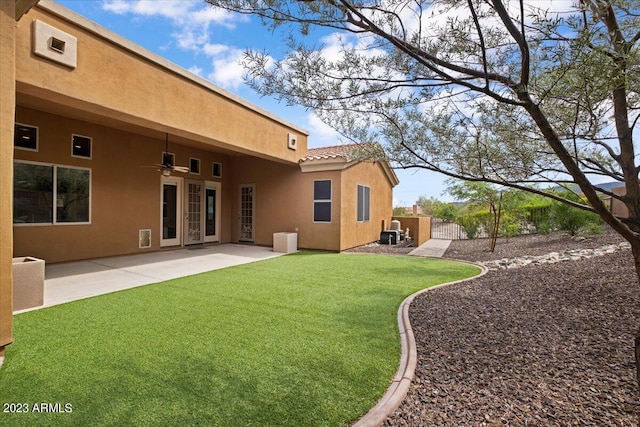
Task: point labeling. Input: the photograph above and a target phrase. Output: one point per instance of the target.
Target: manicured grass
(308, 339)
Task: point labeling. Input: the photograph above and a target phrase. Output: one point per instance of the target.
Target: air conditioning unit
(390, 237)
(292, 141)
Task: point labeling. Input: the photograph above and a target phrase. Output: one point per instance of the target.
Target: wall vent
(144, 238)
(54, 44)
(292, 141)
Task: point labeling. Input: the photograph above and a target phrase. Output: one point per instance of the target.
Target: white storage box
(285, 242)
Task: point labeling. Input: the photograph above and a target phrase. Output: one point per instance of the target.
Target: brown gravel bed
(544, 345)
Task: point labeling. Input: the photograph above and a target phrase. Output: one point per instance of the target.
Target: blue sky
(211, 43)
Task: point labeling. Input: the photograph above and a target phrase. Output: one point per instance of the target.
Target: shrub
(470, 224)
(539, 215)
(445, 211)
(570, 219)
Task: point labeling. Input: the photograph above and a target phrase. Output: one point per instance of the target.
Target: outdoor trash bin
(28, 282)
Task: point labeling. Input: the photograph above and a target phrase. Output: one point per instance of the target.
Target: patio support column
(7, 114)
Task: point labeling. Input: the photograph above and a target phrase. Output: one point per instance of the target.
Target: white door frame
(177, 182)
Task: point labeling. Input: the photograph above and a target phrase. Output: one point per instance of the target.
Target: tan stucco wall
(125, 195)
(113, 83)
(7, 104)
(419, 227)
(357, 233)
(284, 202)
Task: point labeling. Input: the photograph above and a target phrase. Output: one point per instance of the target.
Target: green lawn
(308, 339)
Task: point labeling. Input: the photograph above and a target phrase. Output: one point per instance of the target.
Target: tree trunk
(635, 248)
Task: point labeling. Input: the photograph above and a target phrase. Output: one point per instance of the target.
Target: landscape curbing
(399, 387)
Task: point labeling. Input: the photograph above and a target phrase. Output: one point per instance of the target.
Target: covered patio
(76, 280)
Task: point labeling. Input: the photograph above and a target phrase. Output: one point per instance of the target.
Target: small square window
(25, 137)
(194, 166)
(168, 159)
(81, 146)
(216, 170)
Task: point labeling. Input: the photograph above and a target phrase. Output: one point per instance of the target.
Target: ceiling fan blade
(182, 169)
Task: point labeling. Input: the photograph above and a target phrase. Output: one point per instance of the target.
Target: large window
(364, 193)
(322, 200)
(50, 194)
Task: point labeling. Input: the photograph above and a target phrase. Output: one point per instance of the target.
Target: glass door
(170, 212)
(247, 210)
(193, 212)
(212, 211)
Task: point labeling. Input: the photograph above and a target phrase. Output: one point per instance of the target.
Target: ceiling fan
(167, 167)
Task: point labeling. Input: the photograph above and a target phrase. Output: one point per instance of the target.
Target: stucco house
(87, 117)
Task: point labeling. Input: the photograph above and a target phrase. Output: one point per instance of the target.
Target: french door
(171, 211)
(193, 212)
(247, 211)
(190, 212)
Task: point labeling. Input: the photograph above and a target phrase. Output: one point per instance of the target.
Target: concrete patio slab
(72, 281)
(434, 248)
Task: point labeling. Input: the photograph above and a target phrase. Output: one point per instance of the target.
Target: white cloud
(227, 71)
(323, 134)
(215, 49)
(196, 70)
(190, 19)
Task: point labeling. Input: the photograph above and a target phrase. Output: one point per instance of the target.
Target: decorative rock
(553, 257)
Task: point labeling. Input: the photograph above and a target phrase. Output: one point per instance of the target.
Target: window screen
(364, 194)
(322, 201)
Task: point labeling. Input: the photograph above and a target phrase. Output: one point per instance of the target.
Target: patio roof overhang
(23, 6)
(144, 94)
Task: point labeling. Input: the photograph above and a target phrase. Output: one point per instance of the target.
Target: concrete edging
(399, 387)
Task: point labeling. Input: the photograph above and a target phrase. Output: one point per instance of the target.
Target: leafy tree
(445, 211)
(427, 204)
(479, 195)
(510, 93)
(400, 211)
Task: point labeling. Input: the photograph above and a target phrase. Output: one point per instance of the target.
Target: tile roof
(346, 151)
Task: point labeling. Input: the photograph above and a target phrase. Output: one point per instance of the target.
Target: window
(50, 194)
(25, 137)
(364, 193)
(168, 159)
(81, 146)
(194, 166)
(322, 200)
(32, 193)
(216, 170)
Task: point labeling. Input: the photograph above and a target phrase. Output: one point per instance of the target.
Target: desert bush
(445, 211)
(570, 219)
